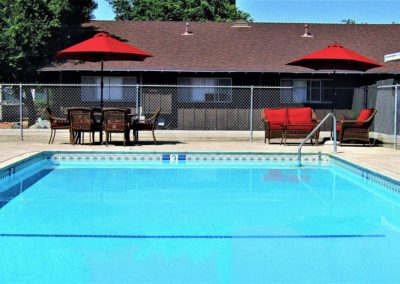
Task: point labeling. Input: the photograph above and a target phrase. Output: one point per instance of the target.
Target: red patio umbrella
(336, 57)
(102, 47)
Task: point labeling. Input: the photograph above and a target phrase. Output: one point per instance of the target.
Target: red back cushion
(365, 114)
(276, 116)
(300, 115)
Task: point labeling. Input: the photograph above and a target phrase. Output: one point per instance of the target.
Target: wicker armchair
(357, 129)
(116, 121)
(81, 121)
(149, 124)
(55, 123)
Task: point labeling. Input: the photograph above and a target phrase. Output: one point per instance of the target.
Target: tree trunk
(29, 108)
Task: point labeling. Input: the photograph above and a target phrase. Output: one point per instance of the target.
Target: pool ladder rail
(315, 130)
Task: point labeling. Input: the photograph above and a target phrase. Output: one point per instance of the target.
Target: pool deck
(384, 160)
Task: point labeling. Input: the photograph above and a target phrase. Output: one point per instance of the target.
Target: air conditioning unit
(392, 57)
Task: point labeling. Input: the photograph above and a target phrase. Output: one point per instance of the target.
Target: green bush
(40, 105)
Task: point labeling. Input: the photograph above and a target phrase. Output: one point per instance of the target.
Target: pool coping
(9, 167)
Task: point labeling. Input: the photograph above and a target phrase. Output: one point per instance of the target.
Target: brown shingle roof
(264, 47)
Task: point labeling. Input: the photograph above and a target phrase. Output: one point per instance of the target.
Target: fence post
(137, 100)
(21, 127)
(251, 112)
(1, 102)
(396, 102)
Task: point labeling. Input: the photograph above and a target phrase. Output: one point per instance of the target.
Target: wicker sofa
(286, 123)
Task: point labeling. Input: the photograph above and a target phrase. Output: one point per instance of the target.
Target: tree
(352, 22)
(348, 21)
(31, 31)
(178, 10)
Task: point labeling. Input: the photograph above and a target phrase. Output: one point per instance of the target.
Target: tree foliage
(31, 31)
(178, 10)
(348, 21)
(352, 22)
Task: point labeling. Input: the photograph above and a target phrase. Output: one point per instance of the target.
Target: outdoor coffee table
(298, 131)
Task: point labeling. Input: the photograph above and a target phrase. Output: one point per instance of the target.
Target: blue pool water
(149, 222)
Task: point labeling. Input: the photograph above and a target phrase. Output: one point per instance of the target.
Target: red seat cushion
(60, 124)
(276, 126)
(300, 115)
(300, 127)
(276, 116)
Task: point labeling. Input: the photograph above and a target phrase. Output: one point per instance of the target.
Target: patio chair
(357, 129)
(55, 123)
(149, 124)
(81, 121)
(116, 121)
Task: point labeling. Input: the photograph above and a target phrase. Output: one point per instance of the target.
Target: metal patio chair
(149, 124)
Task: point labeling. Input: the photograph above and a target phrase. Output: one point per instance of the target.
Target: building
(231, 54)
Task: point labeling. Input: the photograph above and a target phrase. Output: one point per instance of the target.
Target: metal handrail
(315, 130)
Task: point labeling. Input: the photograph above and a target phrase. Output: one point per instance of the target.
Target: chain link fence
(219, 113)
(386, 127)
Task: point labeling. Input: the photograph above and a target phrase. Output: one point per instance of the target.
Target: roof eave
(211, 71)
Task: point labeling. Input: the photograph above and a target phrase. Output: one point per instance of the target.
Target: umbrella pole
(101, 84)
(334, 101)
(334, 92)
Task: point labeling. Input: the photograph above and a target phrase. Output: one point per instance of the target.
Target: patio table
(98, 116)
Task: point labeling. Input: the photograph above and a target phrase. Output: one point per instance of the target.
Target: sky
(312, 11)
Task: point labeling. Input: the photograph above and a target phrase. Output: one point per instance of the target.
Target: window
(306, 91)
(208, 90)
(9, 95)
(114, 88)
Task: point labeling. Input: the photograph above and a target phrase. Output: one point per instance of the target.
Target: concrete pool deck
(383, 160)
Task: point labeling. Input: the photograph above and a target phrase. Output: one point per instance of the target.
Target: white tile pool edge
(186, 157)
(192, 158)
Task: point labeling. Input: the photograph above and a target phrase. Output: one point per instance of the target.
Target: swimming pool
(196, 217)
